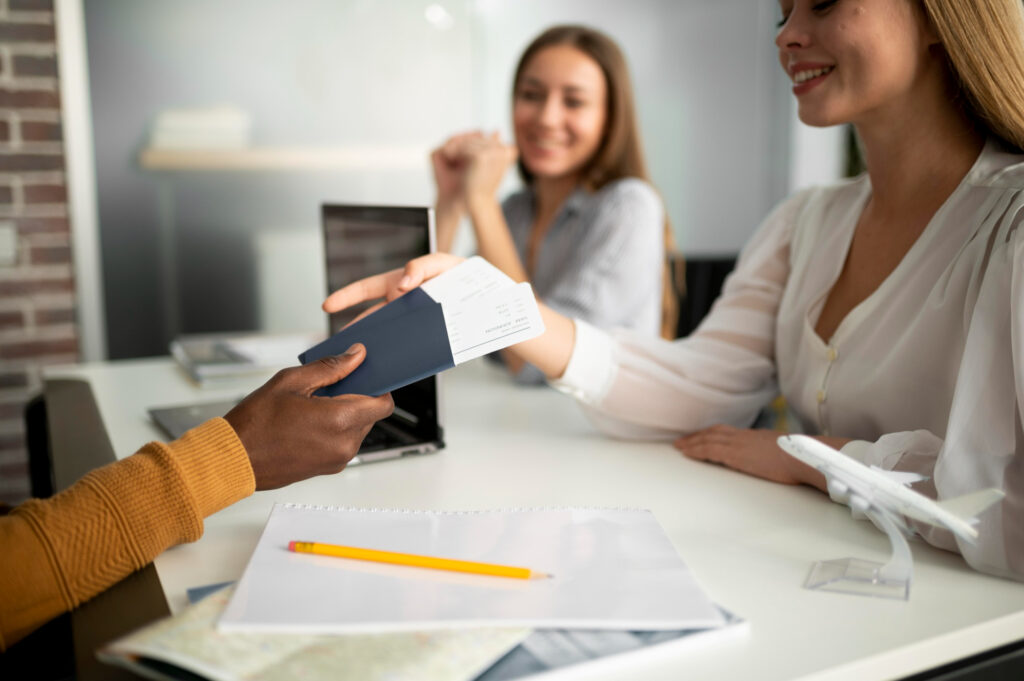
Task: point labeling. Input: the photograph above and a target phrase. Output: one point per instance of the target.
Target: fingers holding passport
(424, 269)
(391, 285)
(291, 435)
(370, 288)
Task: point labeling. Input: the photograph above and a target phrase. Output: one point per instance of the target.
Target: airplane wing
(870, 488)
(862, 498)
(843, 485)
(858, 496)
(902, 477)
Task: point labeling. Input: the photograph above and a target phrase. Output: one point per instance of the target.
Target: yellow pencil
(414, 560)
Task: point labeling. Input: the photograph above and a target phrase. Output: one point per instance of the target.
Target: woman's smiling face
(854, 60)
(559, 111)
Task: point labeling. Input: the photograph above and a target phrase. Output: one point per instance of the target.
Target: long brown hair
(984, 43)
(620, 153)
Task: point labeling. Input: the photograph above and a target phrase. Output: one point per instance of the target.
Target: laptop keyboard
(376, 439)
(384, 435)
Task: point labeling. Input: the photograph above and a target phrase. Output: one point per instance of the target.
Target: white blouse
(926, 374)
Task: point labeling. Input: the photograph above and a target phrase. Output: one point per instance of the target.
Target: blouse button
(832, 354)
(821, 396)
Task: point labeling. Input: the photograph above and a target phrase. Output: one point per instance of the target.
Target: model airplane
(869, 488)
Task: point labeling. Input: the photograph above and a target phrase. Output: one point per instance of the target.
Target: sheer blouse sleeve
(983, 445)
(641, 387)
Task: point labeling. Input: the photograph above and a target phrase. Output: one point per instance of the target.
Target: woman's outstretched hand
(549, 352)
(390, 285)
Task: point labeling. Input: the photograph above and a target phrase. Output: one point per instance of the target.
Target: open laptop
(360, 241)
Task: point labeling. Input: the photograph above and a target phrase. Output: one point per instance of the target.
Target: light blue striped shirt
(602, 259)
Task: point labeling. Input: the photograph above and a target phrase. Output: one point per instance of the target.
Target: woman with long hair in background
(587, 230)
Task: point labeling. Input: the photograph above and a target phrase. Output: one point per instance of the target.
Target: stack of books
(214, 357)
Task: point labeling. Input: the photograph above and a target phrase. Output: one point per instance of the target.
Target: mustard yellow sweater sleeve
(59, 552)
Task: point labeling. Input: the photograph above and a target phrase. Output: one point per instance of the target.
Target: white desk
(749, 542)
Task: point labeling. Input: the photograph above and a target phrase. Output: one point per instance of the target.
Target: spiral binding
(413, 511)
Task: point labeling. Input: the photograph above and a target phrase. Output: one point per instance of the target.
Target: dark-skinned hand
(290, 435)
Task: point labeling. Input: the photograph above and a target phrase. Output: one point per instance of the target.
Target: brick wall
(37, 313)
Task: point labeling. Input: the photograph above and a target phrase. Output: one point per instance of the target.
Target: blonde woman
(888, 309)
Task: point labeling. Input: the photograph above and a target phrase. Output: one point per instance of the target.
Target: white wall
(81, 178)
(816, 154)
(311, 73)
(713, 104)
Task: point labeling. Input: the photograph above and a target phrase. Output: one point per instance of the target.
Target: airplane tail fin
(970, 505)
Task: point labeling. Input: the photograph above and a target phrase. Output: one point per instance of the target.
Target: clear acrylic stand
(868, 577)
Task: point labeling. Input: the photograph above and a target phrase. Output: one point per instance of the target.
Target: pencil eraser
(291, 545)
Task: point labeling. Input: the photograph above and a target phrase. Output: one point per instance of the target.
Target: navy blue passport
(406, 340)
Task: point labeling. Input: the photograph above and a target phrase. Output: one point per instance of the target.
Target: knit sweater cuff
(159, 496)
(214, 466)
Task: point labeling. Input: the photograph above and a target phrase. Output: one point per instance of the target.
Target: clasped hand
(469, 167)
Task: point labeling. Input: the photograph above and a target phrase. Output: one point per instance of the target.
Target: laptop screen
(363, 240)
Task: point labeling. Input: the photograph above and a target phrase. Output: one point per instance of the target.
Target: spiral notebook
(612, 569)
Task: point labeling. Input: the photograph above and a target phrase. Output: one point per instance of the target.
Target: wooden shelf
(285, 159)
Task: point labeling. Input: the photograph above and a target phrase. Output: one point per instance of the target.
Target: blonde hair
(984, 43)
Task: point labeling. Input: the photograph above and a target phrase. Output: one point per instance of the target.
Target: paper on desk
(613, 569)
(190, 641)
